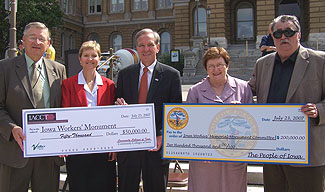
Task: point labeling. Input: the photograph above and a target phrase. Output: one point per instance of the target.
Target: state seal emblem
(232, 132)
(177, 118)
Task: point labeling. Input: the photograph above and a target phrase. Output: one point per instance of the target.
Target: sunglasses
(288, 33)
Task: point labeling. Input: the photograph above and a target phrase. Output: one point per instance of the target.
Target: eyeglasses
(288, 33)
(219, 66)
(33, 38)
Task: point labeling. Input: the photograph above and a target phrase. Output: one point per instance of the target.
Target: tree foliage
(45, 11)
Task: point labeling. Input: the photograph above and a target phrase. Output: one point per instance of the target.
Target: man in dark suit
(18, 93)
(162, 85)
(294, 74)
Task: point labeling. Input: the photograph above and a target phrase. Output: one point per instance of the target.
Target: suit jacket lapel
(22, 73)
(100, 92)
(267, 76)
(155, 81)
(134, 83)
(51, 76)
(81, 94)
(299, 70)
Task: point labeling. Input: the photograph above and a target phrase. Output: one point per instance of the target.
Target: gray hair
(38, 25)
(146, 31)
(286, 18)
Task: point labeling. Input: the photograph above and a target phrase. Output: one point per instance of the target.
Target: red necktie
(143, 87)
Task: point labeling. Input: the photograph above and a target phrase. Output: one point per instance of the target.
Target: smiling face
(286, 46)
(147, 48)
(217, 69)
(36, 42)
(89, 59)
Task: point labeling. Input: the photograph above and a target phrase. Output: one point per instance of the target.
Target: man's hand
(120, 101)
(17, 133)
(310, 110)
(112, 156)
(159, 143)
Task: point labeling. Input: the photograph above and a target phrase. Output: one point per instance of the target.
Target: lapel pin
(156, 79)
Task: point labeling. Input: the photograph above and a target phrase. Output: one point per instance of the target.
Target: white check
(80, 130)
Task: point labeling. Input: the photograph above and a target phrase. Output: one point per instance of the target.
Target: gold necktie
(37, 86)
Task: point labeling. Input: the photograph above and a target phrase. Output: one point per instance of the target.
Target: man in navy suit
(163, 86)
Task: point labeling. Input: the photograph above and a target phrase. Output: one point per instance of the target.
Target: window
(165, 3)
(93, 37)
(116, 42)
(64, 6)
(202, 22)
(95, 6)
(62, 45)
(165, 43)
(289, 7)
(71, 5)
(117, 6)
(245, 22)
(140, 4)
(71, 42)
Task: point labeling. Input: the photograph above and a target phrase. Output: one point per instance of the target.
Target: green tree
(45, 11)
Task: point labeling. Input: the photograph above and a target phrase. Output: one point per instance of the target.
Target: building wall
(178, 20)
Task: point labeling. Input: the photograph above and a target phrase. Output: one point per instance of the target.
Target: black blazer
(165, 87)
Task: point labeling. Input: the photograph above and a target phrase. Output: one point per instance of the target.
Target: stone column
(316, 38)
(182, 24)
(265, 15)
(217, 23)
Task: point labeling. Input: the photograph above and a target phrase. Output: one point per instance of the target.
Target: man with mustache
(294, 74)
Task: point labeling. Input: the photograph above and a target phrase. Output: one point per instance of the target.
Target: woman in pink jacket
(218, 87)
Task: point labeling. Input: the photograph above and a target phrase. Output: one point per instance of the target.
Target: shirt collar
(30, 62)
(292, 57)
(82, 81)
(150, 68)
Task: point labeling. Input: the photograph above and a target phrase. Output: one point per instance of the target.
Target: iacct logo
(41, 117)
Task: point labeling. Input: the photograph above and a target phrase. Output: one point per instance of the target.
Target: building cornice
(129, 22)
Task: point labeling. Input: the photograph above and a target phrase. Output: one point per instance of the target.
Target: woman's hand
(120, 101)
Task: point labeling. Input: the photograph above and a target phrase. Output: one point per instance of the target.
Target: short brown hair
(38, 25)
(90, 45)
(146, 31)
(215, 53)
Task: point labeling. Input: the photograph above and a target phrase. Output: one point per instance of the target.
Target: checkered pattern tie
(37, 86)
(143, 90)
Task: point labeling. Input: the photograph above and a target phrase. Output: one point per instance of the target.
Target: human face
(89, 59)
(286, 46)
(147, 48)
(36, 42)
(217, 70)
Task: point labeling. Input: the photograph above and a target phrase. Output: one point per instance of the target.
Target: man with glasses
(294, 74)
(28, 81)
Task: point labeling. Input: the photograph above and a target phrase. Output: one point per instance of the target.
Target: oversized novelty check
(244, 133)
(79, 130)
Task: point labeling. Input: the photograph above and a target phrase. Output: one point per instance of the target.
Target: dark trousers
(286, 178)
(154, 171)
(43, 174)
(91, 172)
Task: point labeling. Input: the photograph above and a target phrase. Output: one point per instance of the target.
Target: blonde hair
(90, 45)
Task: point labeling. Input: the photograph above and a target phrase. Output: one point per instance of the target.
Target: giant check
(244, 133)
(78, 130)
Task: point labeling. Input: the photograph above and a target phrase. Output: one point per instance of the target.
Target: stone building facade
(114, 23)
